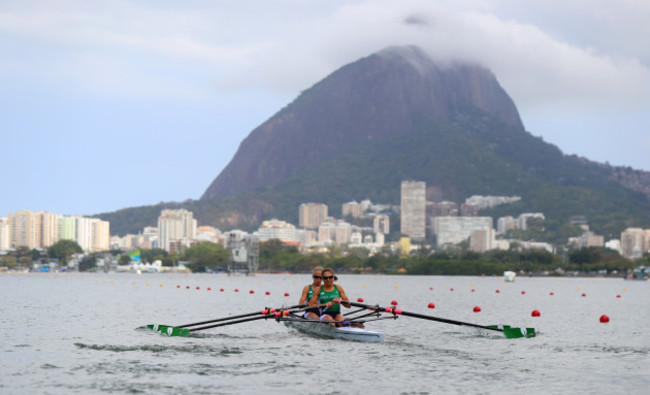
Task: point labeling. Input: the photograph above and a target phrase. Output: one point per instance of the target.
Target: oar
(180, 330)
(264, 314)
(508, 331)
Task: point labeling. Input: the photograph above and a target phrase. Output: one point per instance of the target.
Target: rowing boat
(329, 331)
(366, 313)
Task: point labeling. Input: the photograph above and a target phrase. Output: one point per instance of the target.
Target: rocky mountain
(397, 115)
(374, 98)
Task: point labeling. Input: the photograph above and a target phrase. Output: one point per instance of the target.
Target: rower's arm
(314, 298)
(303, 297)
(344, 297)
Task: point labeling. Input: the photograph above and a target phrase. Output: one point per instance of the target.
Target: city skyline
(106, 108)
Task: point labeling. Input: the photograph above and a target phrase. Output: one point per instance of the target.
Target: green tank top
(326, 297)
(310, 294)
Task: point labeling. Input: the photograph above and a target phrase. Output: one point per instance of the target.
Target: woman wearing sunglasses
(331, 295)
(308, 292)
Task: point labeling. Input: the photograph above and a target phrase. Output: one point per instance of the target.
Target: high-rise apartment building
(66, 228)
(174, 225)
(41, 230)
(381, 224)
(326, 232)
(83, 232)
(632, 243)
(352, 209)
(32, 230)
(100, 235)
(23, 229)
(413, 209)
(343, 232)
(311, 215)
(4, 234)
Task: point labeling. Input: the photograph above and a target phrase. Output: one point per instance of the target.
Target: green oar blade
(169, 330)
(514, 333)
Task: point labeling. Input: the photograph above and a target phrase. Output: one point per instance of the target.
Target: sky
(106, 105)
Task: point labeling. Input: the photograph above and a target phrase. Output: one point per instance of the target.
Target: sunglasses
(315, 276)
(328, 277)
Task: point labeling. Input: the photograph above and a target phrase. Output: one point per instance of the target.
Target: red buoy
(535, 313)
(498, 291)
(360, 300)
(251, 292)
(584, 294)
(187, 287)
(221, 289)
(604, 319)
(618, 296)
(431, 306)
(430, 288)
(472, 289)
(286, 294)
(198, 287)
(477, 309)
(451, 289)
(236, 290)
(394, 303)
(523, 292)
(552, 294)
(209, 289)
(178, 286)
(268, 293)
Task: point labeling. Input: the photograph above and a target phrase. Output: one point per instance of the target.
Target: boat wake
(158, 348)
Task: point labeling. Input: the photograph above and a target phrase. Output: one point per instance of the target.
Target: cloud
(153, 49)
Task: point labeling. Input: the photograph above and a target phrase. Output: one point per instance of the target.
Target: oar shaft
(232, 322)
(424, 317)
(274, 315)
(234, 317)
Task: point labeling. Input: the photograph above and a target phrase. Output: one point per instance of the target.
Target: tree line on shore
(274, 256)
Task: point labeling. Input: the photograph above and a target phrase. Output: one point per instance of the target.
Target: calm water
(78, 333)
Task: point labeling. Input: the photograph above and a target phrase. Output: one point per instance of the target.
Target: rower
(331, 295)
(309, 290)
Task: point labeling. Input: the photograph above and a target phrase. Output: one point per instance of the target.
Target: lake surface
(81, 333)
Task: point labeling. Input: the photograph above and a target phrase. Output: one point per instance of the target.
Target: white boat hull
(346, 332)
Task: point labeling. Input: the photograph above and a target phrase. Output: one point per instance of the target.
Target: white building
(455, 230)
(504, 224)
(174, 225)
(209, 234)
(522, 220)
(276, 229)
(326, 232)
(4, 234)
(490, 201)
(343, 232)
(633, 243)
(381, 224)
(413, 209)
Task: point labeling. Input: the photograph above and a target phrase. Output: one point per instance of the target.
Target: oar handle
(397, 311)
